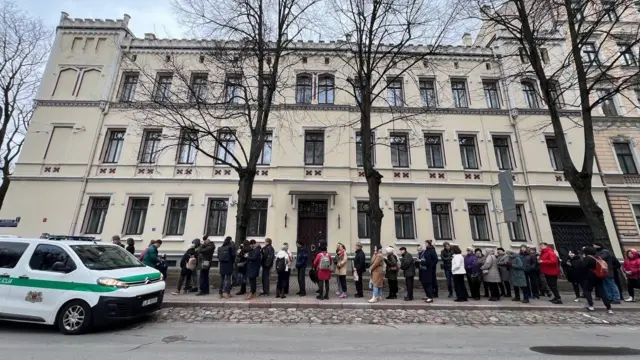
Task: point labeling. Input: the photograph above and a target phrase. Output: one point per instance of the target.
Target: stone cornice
(71, 103)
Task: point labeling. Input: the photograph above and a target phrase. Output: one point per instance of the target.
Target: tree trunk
(374, 179)
(593, 214)
(245, 193)
(4, 188)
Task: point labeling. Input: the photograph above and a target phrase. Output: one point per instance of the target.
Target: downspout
(525, 172)
(613, 216)
(104, 106)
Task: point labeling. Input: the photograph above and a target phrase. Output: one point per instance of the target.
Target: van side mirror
(61, 267)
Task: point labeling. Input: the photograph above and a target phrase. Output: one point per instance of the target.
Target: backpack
(281, 264)
(223, 254)
(325, 262)
(602, 269)
(191, 264)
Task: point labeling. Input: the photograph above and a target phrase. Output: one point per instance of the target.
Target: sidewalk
(443, 303)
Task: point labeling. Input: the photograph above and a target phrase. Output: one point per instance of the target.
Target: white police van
(74, 284)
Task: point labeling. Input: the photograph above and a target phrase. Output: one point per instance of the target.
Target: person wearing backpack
(268, 256)
(595, 272)
(282, 269)
(322, 263)
(610, 288)
(187, 265)
(254, 262)
(205, 255)
(226, 253)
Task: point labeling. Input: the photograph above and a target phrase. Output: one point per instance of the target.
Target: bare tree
(24, 48)
(217, 100)
(379, 50)
(599, 64)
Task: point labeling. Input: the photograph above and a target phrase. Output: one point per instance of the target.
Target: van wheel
(74, 318)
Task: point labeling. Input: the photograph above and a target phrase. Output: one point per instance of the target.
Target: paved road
(156, 341)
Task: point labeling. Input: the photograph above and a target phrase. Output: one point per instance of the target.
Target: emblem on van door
(146, 281)
(33, 297)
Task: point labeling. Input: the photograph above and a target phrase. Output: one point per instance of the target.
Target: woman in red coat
(631, 269)
(322, 264)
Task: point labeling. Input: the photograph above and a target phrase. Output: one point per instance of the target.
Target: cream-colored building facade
(84, 168)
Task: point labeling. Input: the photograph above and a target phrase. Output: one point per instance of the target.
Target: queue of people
(522, 276)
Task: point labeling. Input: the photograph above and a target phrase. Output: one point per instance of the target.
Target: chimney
(485, 12)
(63, 17)
(126, 19)
(149, 36)
(348, 37)
(466, 39)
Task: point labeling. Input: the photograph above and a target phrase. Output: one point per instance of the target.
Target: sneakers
(631, 299)
(342, 295)
(576, 300)
(250, 297)
(610, 312)
(175, 293)
(429, 301)
(590, 308)
(373, 300)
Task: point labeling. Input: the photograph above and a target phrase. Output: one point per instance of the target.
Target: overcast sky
(146, 15)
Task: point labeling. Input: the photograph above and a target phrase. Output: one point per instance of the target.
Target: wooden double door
(312, 224)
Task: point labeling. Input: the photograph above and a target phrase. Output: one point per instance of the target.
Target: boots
(374, 299)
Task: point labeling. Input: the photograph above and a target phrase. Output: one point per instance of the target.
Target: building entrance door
(570, 229)
(312, 224)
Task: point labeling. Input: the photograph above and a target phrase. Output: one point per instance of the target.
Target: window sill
(172, 238)
(134, 237)
(314, 165)
(364, 241)
(484, 243)
(473, 170)
(407, 242)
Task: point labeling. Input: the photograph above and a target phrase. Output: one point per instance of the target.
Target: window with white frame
(233, 88)
(150, 148)
(326, 89)
(136, 215)
(258, 217)
(226, 146)
(359, 161)
(627, 56)
(491, 96)
(590, 54)
(608, 103)
(556, 94)
(428, 93)
(433, 148)
(459, 93)
(364, 220)
(314, 147)
(518, 229)
(530, 94)
(395, 94)
(176, 216)
(468, 151)
(399, 150)
(265, 156)
(217, 217)
(502, 149)
(96, 214)
(162, 92)
(441, 217)
(187, 148)
(304, 89)
(129, 84)
(403, 215)
(479, 222)
(554, 153)
(625, 157)
(113, 146)
(199, 84)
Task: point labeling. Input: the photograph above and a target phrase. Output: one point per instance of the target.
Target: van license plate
(149, 302)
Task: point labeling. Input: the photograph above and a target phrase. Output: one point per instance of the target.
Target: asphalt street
(156, 341)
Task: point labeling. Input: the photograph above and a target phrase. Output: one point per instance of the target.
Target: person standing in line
(491, 275)
(469, 264)
(195, 275)
(302, 257)
(476, 275)
(505, 276)
(573, 271)
(187, 265)
(341, 269)
(617, 269)
(481, 257)
(434, 271)
(631, 269)
(241, 265)
(268, 255)
(282, 269)
(530, 269)
(594, 279)
(458, 272)
(518, 277)
(226, 254)
(550, 269)
(322, 263)
(393, 266)
(115, 239)
(151, 255)
(446, 255)
(205, 256)
(427, 258)
(377, 275)
(610, 289)
(408, 271)
(254, 262)
(359, 266)
(288, 278)
(131, 246)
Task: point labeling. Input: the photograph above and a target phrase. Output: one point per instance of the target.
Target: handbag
(355, 275)
(371, 284)
(206, 264)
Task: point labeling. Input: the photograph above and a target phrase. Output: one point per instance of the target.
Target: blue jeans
(377, 291)
(611, 289)
(449, 276)
(225, 283)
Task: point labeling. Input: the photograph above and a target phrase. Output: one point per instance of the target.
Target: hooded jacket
(549, 264)
(446, 256)
(631, 267)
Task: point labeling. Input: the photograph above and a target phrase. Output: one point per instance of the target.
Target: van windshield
(105, 257)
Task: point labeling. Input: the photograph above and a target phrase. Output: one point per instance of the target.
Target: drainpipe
(523, 163)
(613, 216)
(104, 106)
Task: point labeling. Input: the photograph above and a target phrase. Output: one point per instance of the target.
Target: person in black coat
(428, 260)
(302, 258)
(226, 255)
(254, 263)
(241, 264)
(131, 248)
(591, 281)
(185, 272)
(408, 270)
(360, 265)
(573, 269)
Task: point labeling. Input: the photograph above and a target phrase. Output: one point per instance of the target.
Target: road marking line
(595, 318)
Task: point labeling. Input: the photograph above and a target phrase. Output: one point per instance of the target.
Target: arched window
(303, 89)
(326, 89)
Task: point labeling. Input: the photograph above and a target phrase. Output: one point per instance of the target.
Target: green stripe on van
(143, 277)
(56, 285)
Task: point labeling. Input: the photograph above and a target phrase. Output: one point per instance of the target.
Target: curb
(418, 305)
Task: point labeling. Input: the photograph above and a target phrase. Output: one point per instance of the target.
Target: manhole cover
(173, 338)
(585, 350)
